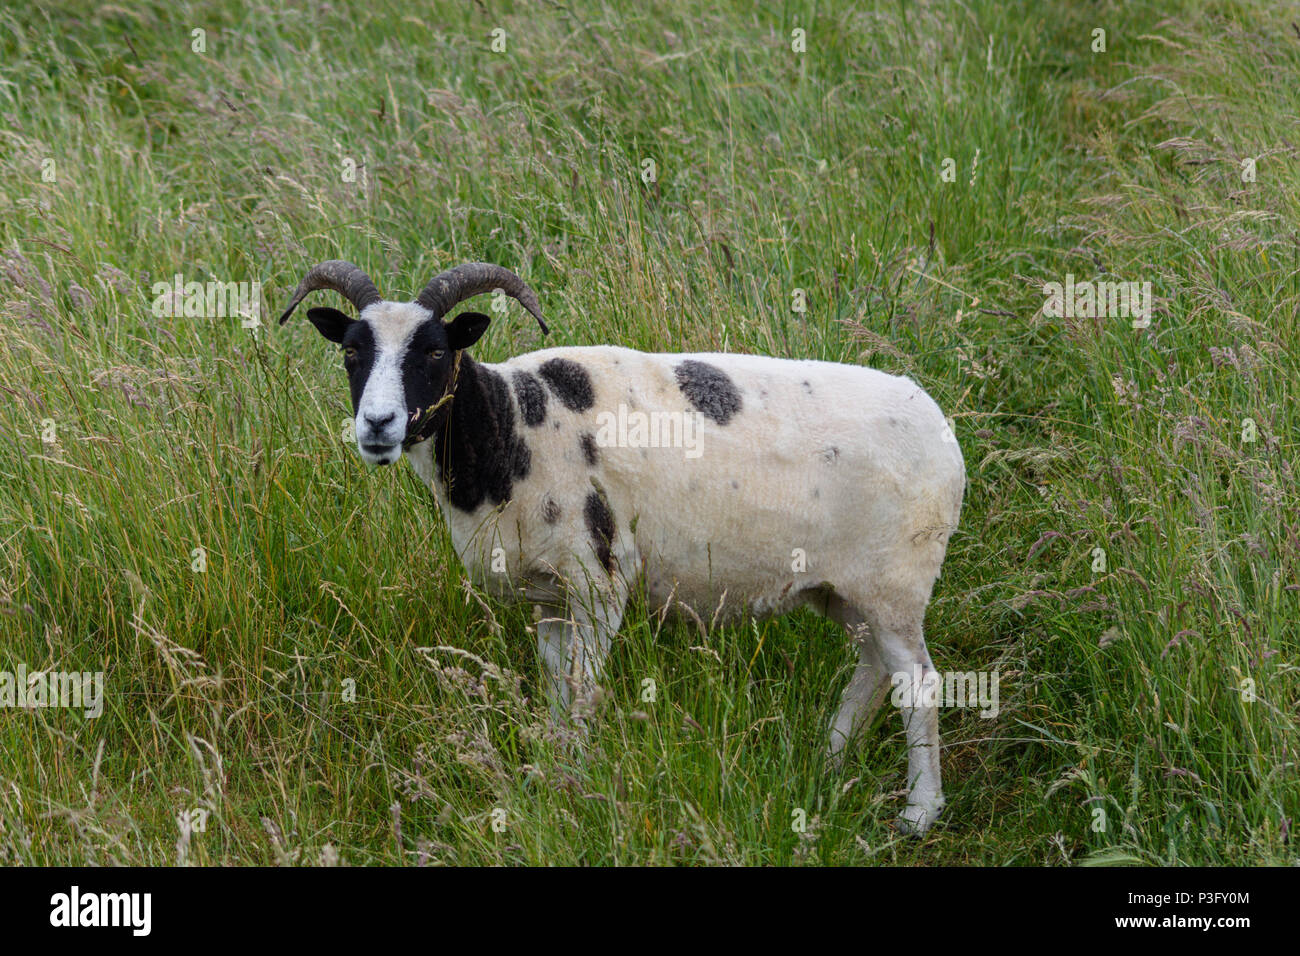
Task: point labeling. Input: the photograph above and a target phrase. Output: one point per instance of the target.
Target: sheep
(721, 483)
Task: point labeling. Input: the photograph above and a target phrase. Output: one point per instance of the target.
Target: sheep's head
(401, 357)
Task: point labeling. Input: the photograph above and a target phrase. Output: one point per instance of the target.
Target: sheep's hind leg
(866, 688)
(901, 645)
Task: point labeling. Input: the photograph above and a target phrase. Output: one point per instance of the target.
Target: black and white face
(399, 361)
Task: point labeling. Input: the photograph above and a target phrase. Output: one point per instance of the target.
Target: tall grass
(328, 688)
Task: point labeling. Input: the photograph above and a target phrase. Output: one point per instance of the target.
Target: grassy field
(178, 508)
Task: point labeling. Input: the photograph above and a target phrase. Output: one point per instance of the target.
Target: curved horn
(343, 277)
(448, 288)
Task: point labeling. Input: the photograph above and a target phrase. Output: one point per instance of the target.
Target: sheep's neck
(477, 452)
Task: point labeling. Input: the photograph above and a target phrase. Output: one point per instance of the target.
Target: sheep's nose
(377, 424)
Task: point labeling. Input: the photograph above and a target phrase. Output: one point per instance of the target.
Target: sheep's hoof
(917, 818)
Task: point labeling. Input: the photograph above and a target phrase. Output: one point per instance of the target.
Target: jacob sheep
(780, 483)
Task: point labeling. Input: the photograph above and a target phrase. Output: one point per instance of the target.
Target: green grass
(776, 171)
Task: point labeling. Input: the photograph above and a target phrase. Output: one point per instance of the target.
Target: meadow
(296, 670)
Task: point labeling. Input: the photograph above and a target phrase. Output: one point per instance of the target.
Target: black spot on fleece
(709, 389)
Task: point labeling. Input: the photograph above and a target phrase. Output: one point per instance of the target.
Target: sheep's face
(400, 363)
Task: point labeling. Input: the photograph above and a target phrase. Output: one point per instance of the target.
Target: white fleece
(827, 473)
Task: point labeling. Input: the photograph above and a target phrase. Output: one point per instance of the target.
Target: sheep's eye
(349, 353)
(436, 353)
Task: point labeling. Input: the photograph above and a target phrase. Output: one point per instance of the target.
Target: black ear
(330, 323)
(464, 330)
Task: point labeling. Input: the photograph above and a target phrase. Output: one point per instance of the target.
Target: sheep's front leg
(553, 640)
(573, 650)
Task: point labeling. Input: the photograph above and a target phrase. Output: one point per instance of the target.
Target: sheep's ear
(464, 330)
(330, 323)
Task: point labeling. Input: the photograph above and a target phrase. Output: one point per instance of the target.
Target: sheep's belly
(761, 541)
